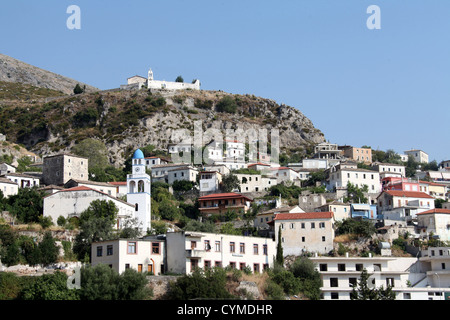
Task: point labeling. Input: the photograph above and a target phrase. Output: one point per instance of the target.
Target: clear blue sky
(387, 88)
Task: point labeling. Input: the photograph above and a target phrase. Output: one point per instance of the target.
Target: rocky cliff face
(13, 70)
(126, 120)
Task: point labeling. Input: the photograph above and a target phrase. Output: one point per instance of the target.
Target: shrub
(227, 104)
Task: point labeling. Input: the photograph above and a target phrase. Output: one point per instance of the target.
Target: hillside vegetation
(126, 120)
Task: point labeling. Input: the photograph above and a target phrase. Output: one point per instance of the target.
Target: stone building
(59, 169)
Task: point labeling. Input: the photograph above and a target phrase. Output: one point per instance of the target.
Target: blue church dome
(138, 154)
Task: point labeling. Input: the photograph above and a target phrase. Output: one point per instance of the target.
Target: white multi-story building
(188, 250)
(434, 222)
(411, 278)
(339, 176)
(154, 161)
(305, 232)
(143, 255)
(187, 173)
(389, 168)
(418, 155)
(23, 180)
(209, 181)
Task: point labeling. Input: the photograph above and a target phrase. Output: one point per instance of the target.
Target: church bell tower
(139, 191)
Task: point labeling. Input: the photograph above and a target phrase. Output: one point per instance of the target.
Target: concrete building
(255, 182)
(72, 202)
(209, 181)
(340, 210)
(434, 222)
(189, 250)
(418, 155)
(305, 232)
(389, 168)
(396, 205)
(220, 203)
(145, 255)
(59, 169)
(138, 82)
(105, 187)
(23, 180)
(8, 187)
(311, 201)
(363, 155)
(340, 175)
(6, 168)
(187, 173)
(152, 161)
(161, 172)
(263, 219)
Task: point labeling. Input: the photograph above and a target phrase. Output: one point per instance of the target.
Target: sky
(388, 88)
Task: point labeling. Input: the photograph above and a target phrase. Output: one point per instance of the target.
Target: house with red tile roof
(434, 222)
(220, 203)
(305, 232)
(398, 205)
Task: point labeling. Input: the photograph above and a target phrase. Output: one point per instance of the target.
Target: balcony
(195, 253)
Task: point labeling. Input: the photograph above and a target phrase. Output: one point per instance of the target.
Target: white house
(23, 180)
(8, 187)
(187, 173)
(121, 188)
(340, 210)
(262, 219)
(72, 202)
(161, 172)
(436, 222)
(305, 232)
(6, 168)
(340, 175)
(209, 181)
(105, 187)
(142, 255)
(188, 250)
(418, 155)
(284, 174)
(152, 161)
(389, 168)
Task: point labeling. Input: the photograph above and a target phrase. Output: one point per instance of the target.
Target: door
(139, 267)
(150, 268)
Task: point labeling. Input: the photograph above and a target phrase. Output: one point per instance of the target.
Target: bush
(274, 291)
(227, 104)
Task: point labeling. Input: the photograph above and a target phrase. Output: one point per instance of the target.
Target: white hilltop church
(137, 82)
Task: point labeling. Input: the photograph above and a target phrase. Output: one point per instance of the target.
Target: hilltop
(13, 70)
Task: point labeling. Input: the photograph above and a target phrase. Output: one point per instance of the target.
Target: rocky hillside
(13, 70)
(125, 120)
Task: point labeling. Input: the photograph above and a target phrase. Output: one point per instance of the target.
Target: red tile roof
(119, 183)
(409, 194)
(304, 215)
(221, 196)
(447, 211)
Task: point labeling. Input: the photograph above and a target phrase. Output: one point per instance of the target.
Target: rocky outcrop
(13, 70)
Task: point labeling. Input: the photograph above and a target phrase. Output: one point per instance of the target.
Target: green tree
(227, 104)
(356, 194)
(200, 284)
(27, 204)
(279, 257)
(365, 291)
(78, 89)
(96, 152)
(103, 283)
(49, 251)
(179, 79)
(96, 224)
(230, 182)
(364, 228)
(48, 287)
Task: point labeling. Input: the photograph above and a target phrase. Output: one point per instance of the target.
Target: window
(99, 251)
(303, 239)
(334, 295)
(132, 248)
(333, 282)
(155, 248)
(217, 246)
(256, 267)
(292, 225)
(242, 266)
(207, 264)
(232, 247)
(352, 282)
(341, 266)
(232, 265)
(127, 266)
(322, 225)
(242, 247)
(303, 225)
(323, 238)
(406, 296)
(359, 267)
(265, 249)
(207, 245)
(109, 250)
(323, 267)
(390, 282)
(313, 225)
(255, 249)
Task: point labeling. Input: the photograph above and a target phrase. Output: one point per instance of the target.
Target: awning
(361, 206)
